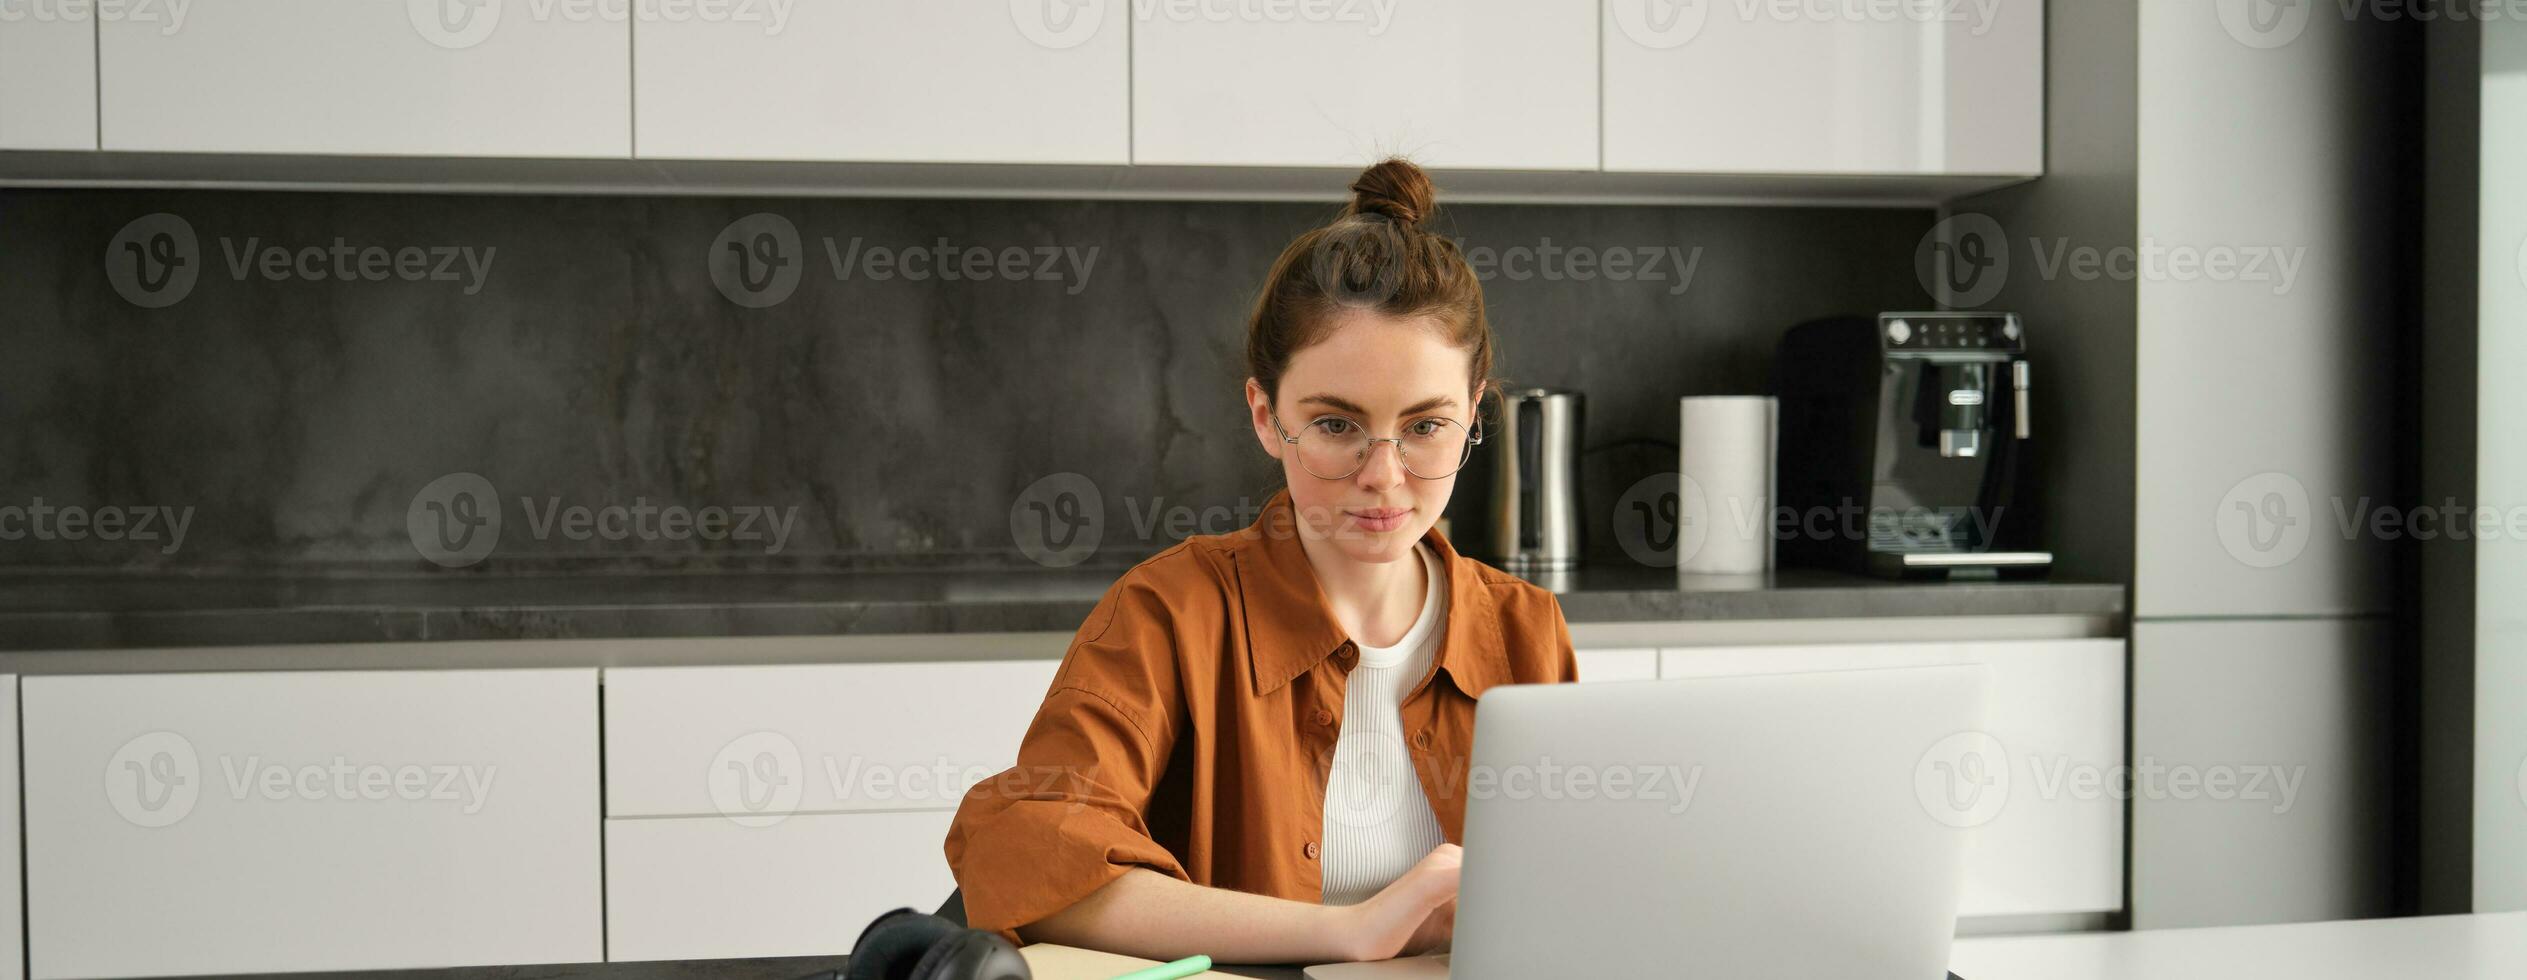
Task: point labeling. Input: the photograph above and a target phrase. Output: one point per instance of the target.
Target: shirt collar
(1290, 628)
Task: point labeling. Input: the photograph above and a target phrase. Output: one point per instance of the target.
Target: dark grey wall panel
(2080, 330)
(596, 363)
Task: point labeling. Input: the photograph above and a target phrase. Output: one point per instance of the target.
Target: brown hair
(1376, 256)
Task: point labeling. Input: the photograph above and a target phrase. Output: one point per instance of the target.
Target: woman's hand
(1414, 914)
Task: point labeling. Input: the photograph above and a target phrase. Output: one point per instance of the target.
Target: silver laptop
(1734, 827)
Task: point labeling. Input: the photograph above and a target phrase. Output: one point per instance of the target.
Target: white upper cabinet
(1781, 87)
(48, 80)
(1531, 91)
(956, 81)
(1467, 84)
(422, 78)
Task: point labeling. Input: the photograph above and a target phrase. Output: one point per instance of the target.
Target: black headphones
(908, 945)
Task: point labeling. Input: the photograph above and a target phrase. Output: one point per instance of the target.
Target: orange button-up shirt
(1191, 727)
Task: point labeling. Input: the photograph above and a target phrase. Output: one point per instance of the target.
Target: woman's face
(1382, 374)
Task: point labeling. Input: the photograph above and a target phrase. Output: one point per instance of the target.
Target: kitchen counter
(58, 612)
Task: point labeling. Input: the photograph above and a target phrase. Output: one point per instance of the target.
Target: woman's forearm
(1147, 914)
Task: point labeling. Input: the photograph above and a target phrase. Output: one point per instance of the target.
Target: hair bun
(1396, 189)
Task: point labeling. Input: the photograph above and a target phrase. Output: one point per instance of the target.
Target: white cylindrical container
(1725, 468)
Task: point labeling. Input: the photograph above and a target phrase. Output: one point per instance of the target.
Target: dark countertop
(111, 611)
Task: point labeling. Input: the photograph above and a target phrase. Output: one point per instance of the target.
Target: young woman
(1256, 747)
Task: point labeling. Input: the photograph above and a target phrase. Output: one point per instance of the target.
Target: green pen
(1170, 971)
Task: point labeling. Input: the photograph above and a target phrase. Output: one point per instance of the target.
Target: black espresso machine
(1902, 436)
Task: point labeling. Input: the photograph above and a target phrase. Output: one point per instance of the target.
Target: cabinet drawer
(710, 888)
(762, 742)
(1638, 664)
(2054, 843)
(283, 822)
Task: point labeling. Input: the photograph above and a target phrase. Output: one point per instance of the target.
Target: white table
(2448, 947)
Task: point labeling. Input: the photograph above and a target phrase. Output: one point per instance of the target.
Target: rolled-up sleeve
(1565, 659)
(1071, 815)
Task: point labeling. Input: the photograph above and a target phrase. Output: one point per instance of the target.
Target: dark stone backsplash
(576, 352)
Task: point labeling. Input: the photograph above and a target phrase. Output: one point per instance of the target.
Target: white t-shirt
(1378, 822)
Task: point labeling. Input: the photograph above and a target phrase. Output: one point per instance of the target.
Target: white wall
(2500, 745)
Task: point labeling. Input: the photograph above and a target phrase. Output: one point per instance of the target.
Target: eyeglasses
(1333, 447)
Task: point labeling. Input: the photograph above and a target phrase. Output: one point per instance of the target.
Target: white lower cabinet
(2053, 843)
(285, 822)
(712, 888)
(1634, 664)
(773, 811)
(758, 743)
